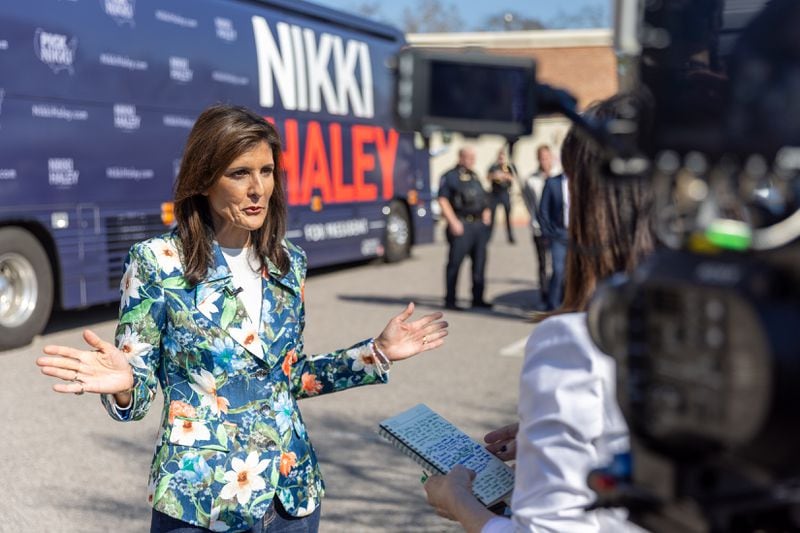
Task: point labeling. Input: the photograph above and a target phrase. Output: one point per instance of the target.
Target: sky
(473, 12)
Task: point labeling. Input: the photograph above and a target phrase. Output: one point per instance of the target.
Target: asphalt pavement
(70, 468)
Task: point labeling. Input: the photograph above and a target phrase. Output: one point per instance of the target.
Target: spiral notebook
(437, 446)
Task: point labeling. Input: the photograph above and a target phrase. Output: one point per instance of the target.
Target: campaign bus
(97, 98)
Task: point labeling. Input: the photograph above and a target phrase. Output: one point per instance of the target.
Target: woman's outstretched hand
(401, 339)
(104, 369)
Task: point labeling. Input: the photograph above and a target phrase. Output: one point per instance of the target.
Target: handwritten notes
(443, 445)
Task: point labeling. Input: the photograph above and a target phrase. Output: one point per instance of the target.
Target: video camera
(706, 333)
(703, 333)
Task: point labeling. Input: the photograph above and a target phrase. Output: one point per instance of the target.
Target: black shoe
(480, 304)
(511, 240)
(453, 307)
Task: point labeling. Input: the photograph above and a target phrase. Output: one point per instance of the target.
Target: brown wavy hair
(610, 219)
(221, 134)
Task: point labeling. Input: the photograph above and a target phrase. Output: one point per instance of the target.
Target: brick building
(581, 61)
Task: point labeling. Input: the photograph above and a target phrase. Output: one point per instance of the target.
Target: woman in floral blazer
(232, 453)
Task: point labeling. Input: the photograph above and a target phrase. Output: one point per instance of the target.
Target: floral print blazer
(231, 433)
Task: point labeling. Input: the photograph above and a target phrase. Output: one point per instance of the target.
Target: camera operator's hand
(486, 217)
(503, 442)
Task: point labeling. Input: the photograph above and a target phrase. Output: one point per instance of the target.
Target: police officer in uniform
(501, 174)
(465, 206)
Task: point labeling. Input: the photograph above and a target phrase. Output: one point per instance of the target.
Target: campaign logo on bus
(55, 50)
(179, 69)
(125, 117)
(62, 172)
(225, 29)
(120, 10)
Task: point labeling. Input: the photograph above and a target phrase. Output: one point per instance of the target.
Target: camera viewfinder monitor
(469, 93)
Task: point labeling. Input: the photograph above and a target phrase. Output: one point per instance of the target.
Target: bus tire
(26, 287)
(398, 233)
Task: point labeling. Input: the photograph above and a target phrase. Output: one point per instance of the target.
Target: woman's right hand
(503, 442)
(104, 369)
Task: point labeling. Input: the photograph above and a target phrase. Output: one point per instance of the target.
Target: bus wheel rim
(18, 290)
(398, 230)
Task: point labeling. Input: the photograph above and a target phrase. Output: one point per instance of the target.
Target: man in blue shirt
(554, 217)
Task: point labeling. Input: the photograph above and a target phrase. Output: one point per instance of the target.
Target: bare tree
(371, 10)
(511, 21)
(438, 16)
(431, 16)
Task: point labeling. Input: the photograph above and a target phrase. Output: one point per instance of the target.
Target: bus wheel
(26, 288)
(398, 233)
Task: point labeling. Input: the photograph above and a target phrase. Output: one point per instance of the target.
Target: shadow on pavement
(100, 513)
(80, 318)
(130, 446)
(514, 305)
(119, 509)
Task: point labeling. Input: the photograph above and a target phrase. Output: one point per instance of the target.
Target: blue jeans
(277, 520)
(555, 294)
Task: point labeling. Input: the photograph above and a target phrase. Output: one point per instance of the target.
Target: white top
(246, 270)
(535, 182)
(565, 192)
(570, 423)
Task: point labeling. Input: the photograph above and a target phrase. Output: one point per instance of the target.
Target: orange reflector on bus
(413, 197)
(316, 203)
(168, 213)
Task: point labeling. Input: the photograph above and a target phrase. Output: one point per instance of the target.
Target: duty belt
(470, 218)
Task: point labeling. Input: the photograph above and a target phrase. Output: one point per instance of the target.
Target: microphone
(235, 291)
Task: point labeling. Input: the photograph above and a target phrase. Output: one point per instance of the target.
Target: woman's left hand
(401, 339)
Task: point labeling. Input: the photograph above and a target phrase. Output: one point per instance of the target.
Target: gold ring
(424, 339)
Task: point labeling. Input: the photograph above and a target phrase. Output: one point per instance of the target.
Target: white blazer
(570, 423)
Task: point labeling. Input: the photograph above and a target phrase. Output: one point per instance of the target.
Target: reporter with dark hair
(570, 422)
(214, 313)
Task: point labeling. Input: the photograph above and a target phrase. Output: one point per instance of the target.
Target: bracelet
(384, 363)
